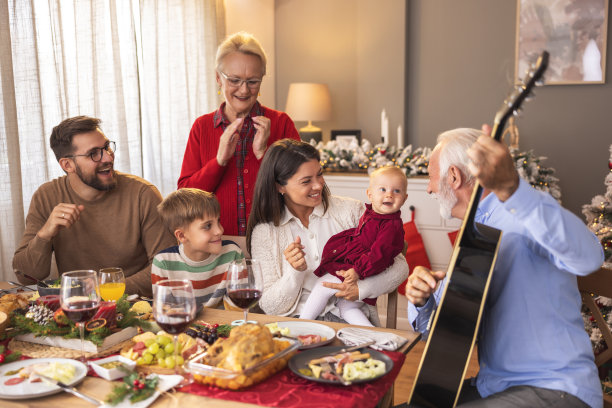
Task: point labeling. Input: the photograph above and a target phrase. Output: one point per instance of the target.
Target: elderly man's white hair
(453, 145)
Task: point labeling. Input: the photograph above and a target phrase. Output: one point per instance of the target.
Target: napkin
(352, 336)
(164, 384)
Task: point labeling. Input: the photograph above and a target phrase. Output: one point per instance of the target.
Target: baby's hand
(350, 276)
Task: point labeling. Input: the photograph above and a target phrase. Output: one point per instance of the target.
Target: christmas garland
(365, 157)
(64, 327)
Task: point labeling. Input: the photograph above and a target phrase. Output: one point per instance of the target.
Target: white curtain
(145, 67)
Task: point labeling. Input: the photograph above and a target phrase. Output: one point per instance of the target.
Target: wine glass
(112, 283)
(79, 299)
(174, 308)
(244, 285)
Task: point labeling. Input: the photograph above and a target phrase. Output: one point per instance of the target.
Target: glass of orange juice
(112, 283)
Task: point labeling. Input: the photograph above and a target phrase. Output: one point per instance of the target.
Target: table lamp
(309, 102)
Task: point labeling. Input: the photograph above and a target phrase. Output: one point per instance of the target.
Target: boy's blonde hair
(389, 169)
(181, 207)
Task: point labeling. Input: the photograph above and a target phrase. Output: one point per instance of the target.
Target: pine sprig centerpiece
(25, 322)
(135, 386)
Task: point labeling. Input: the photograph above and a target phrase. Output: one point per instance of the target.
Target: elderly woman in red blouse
(225, 147)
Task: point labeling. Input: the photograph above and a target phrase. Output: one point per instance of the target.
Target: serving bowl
(43, 291)
(113, 373)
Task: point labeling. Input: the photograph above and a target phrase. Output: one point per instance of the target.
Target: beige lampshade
(308, 102)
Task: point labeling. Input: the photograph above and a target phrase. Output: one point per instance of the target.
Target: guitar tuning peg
(540, 82)
(517, 113)
(529, 97)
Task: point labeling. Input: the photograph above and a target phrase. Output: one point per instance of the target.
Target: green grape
(148, 357)
(180, 360)
(140, 361)
(162, 363)
(169, 349)
(170, 362)
(153, 348)
(163, 340)
(148, 342)
(160, 355)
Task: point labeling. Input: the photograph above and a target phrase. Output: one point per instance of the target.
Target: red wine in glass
(80, 309)
(174, 322)
(80, 299)
(245, 298)
(244, 285)
(174, 308)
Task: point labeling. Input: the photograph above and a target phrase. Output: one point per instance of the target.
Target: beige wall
(356, 47)
(460, 68)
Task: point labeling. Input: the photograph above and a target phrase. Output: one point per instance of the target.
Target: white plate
(26, 389)
(304, 328)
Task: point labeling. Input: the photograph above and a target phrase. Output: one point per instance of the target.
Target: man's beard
(94, 182)
(446, 198)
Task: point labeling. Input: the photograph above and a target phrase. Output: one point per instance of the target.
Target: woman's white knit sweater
(283, 284)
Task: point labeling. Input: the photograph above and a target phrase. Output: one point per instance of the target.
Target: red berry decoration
(141, 386)
(136, 383)
(2, 357)
(610, 165)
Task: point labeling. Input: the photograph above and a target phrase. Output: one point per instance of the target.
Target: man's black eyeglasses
(97, 152)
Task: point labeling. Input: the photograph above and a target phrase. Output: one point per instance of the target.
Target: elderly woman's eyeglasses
(97, 152)
(237, 82)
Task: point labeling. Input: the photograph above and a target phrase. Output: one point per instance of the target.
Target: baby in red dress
(367, 250)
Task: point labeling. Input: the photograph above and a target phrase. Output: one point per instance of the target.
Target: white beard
(447, 199)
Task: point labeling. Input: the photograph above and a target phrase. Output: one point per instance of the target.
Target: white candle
(382, 124)
(386, 130)
(400, 138)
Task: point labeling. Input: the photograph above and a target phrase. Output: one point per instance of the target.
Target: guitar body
(455, 323)
(451, 340)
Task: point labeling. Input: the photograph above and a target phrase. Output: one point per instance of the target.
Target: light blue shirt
(532, 332)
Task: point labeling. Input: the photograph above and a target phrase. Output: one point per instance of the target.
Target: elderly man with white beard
(532, 347)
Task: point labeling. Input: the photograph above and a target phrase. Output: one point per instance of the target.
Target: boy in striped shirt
(192, 215)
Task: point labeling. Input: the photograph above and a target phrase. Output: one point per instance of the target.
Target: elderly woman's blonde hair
(183, 206)
(242, 42)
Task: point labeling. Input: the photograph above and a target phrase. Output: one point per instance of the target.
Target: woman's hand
(347, 290)
(228, 141)
(295, 255)
(262, 134)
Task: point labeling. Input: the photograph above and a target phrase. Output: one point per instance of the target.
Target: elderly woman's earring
(219, 91)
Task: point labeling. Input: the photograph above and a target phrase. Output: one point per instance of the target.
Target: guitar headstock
(521, 92)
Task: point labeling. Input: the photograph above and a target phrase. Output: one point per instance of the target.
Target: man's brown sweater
(120, 229)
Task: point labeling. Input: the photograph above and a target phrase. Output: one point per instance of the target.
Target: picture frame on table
(573, 32)
(346, 137)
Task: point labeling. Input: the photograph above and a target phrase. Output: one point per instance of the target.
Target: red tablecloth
(285, 389)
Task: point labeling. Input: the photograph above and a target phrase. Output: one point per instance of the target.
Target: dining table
(99, 388)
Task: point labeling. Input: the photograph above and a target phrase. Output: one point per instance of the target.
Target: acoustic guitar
(454, 325)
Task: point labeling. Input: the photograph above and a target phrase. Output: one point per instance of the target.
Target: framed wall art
(574, 32)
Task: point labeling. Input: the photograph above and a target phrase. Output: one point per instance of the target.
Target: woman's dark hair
(280, 163)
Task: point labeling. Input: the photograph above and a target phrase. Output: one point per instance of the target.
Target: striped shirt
(208, 277)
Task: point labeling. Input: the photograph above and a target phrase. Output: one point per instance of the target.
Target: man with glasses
(94, 217)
